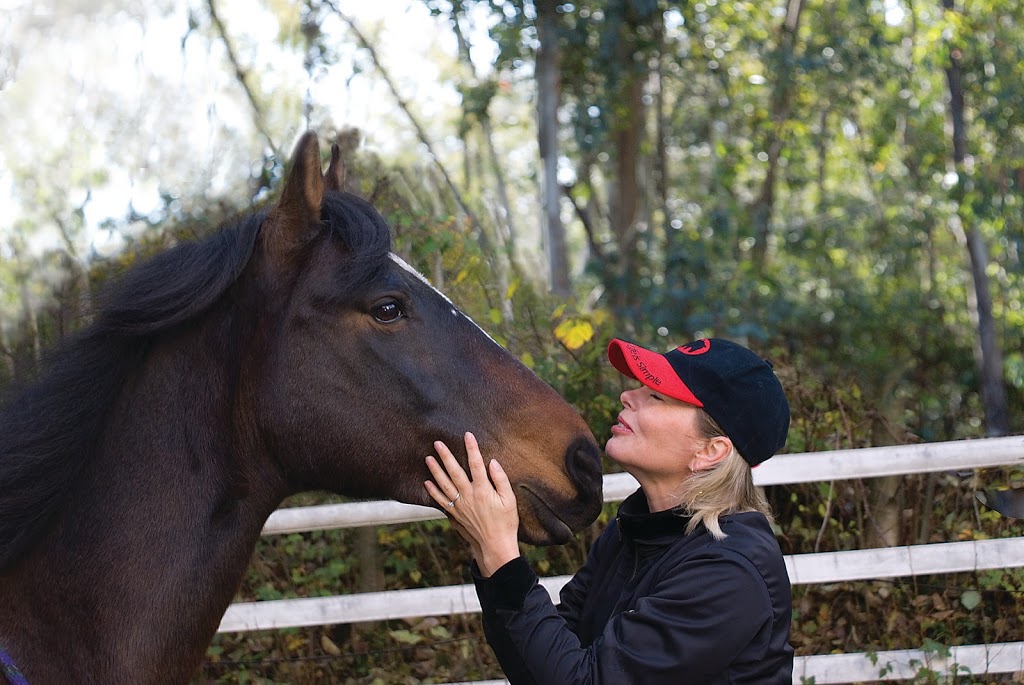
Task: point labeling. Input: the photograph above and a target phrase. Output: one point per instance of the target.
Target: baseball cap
(732, 384)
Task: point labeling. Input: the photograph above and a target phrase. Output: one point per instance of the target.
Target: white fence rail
(803, 568)
(871, 462)
(905, 664)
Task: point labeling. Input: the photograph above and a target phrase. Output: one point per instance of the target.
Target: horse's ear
(334, 179)
(297, 214)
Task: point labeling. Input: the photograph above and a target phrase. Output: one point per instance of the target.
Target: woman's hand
(483, 513)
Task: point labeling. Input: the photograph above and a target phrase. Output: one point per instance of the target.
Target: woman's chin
(613, 447)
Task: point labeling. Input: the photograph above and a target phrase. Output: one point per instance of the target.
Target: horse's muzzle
(583, 465)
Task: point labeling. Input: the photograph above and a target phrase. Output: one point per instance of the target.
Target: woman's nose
(627, 398)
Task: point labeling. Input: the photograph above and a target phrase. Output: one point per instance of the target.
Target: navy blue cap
(736, 387)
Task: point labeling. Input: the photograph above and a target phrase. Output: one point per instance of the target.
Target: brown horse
(290, 351)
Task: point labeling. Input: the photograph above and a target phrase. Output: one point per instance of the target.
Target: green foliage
(830, 412)
(860, 295)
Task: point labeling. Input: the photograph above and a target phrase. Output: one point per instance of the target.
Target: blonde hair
(726, 488)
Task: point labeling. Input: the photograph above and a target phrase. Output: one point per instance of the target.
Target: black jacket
(651, 605)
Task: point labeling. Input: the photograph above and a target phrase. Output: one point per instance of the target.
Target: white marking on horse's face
(405, 265)
(454, 310)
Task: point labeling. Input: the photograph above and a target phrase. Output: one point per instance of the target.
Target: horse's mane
(51, 430)
(364, 232)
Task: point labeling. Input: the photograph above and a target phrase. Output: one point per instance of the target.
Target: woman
(687, 584)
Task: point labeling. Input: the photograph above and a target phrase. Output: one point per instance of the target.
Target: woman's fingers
(451, 465)
(446, 501)
(501, 482)
(482, 510)
(435, 493)
(451, 483)
(476, 460)
(444, 483)
(450, 471)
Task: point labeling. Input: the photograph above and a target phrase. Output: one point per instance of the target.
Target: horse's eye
(387, 312)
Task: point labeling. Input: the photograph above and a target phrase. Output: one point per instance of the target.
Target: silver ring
(457, 496)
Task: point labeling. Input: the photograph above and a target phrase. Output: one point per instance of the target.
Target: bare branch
(421, 134)
(241, 74)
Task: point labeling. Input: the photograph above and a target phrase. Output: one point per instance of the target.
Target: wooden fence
(828, 567)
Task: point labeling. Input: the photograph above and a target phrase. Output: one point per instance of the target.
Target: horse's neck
(154, 541)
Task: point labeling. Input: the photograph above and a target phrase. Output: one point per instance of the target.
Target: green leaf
(440, 633)
(406, 637)
(970, 599)
(930, 646)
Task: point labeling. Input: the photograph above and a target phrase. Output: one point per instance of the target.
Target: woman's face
(656, 435)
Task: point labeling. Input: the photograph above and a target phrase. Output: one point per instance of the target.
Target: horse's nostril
(583, 467)
(583, 464)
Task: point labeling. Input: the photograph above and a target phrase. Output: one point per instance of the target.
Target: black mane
(52, 429)
(362, 229)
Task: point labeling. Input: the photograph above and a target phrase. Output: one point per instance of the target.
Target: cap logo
(696, 347)
(641, 366)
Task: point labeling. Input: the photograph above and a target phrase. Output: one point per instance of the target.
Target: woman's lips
(622, 426)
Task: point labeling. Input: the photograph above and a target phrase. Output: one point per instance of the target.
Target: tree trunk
(548, 96)
(76, 307)
(660, 170)
(987, 353)
(764, 205)
(884, 520)
(511, 233)
(31, 322)
(6, 358)
(626, 122)
(821, 145)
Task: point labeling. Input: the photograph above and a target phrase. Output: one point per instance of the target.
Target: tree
(988, 355)
(548, 95)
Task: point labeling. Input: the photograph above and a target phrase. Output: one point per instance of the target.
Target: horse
(292, 350)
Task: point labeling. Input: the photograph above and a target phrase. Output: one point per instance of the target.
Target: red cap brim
(650, 368)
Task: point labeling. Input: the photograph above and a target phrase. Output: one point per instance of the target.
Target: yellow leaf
(559, 310)
(495, 315)
(574, 333)
(327, 644)
(528, 360)
(512, 288)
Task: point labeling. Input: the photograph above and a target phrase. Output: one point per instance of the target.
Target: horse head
(362, 365)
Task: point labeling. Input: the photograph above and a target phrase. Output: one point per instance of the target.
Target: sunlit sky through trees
(106, 105)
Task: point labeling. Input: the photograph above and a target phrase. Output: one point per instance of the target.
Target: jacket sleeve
(507, 591)
(697, 619)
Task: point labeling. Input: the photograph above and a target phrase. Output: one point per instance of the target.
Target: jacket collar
(637, 523)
